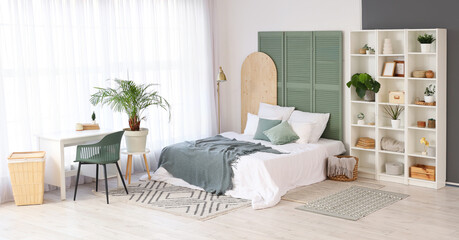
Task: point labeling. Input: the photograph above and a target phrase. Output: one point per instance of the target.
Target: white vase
(361, 122)
(136, 141)
(395, 123)
(426, 47)
(429, 99)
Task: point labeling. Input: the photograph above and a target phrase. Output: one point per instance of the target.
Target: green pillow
(263, 125)
(281, 134)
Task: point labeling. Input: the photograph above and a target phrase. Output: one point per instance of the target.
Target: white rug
(178, 200)
(353, 203)
(325, 188)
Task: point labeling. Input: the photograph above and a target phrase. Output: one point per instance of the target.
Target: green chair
(106, 151)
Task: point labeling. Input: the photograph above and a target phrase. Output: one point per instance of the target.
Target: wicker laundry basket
(27, 173)
(343, 178)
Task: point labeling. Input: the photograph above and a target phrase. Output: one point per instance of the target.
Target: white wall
(239, 21)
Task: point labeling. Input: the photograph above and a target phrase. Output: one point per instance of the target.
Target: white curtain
(53, 54)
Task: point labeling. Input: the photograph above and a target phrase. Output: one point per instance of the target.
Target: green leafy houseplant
(430, 90)
(426, 38)
(363, 82)
(393, 112)
(130, 98)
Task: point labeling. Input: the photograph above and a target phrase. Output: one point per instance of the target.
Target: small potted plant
(370, 51)
(426, 145)
(363, 49)
(365, 86)
(426, 41)
(361, 118)
(429, 94)
(394, 112)
(132, 99)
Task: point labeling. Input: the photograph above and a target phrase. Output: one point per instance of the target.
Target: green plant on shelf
(430, 90)
(363, 82)
(426, 38)
(393, 112)
(365, 47)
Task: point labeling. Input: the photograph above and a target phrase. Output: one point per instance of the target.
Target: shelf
(420, 53)
(363, 149)
(365, 126)
(390, 152)
(367, 170)
(362, 102)
(419, 154)
(402, 176)
(391, 104)
(391, 128)
(422, 79)
(394, 77)
(423, 129)
(392, 55)
(362, 55)
(420, 106)
(421, 180)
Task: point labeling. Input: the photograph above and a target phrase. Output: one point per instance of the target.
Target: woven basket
(343, 178)
(27, 177)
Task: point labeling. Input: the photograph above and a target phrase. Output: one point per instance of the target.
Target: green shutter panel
(298, 70)
(272, 43)
(327, 80)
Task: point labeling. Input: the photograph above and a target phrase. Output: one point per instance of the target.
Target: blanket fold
(341, 166)
(207, 163)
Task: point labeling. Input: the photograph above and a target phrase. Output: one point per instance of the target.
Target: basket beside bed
(343, 178)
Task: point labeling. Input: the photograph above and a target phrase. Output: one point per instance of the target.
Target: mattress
(264, 177)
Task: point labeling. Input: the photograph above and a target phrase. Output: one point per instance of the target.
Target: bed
(264, 177)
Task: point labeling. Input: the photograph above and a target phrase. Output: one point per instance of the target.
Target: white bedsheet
(264, 177)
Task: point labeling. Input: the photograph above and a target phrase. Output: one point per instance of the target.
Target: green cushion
(281, 134)
(263, 125)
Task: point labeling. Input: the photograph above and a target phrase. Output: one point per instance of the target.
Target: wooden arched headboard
(258, 84)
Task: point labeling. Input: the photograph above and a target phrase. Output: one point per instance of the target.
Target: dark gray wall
(399, 14)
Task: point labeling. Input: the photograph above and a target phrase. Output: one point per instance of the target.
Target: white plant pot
(395, 123)
(429, 99)
(368, 52)
(361, 122)
(136, 141)
(426, 48)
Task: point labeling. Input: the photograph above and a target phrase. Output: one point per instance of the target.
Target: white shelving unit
(405, 47)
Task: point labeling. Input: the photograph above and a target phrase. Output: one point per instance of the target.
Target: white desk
(54, 144)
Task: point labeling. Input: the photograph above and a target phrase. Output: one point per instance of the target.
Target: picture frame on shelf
(399, 68)
(389, 69)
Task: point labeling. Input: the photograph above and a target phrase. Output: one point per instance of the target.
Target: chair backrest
(105, 151)
(110, 146)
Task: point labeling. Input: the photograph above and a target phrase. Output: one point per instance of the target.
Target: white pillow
(269, 111)
(251, 125)
(303, 130)
(320, 120)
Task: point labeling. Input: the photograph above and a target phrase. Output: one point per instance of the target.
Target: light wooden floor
(426, 214)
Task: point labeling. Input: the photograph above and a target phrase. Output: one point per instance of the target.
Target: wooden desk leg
(146, 165)
(130, 168)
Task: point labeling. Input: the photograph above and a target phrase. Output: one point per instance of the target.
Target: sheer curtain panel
(54, 52)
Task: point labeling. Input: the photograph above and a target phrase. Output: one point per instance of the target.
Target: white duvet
(264, 177)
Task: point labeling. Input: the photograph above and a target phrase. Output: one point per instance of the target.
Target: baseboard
(452, 184)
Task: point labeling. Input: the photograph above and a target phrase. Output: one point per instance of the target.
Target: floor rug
(353, 203)
(178, 200)
(322, 189)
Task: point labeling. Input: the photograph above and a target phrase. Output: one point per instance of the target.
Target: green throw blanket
(207, 162)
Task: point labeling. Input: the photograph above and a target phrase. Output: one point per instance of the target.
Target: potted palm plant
(394, 112)
(132, 99)
(426, 41)
(365, 86)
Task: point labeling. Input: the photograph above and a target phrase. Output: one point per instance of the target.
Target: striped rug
(178, 200)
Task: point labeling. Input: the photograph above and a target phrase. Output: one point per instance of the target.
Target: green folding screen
(309, 69)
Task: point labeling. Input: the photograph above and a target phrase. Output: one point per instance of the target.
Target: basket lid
(26, 155)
